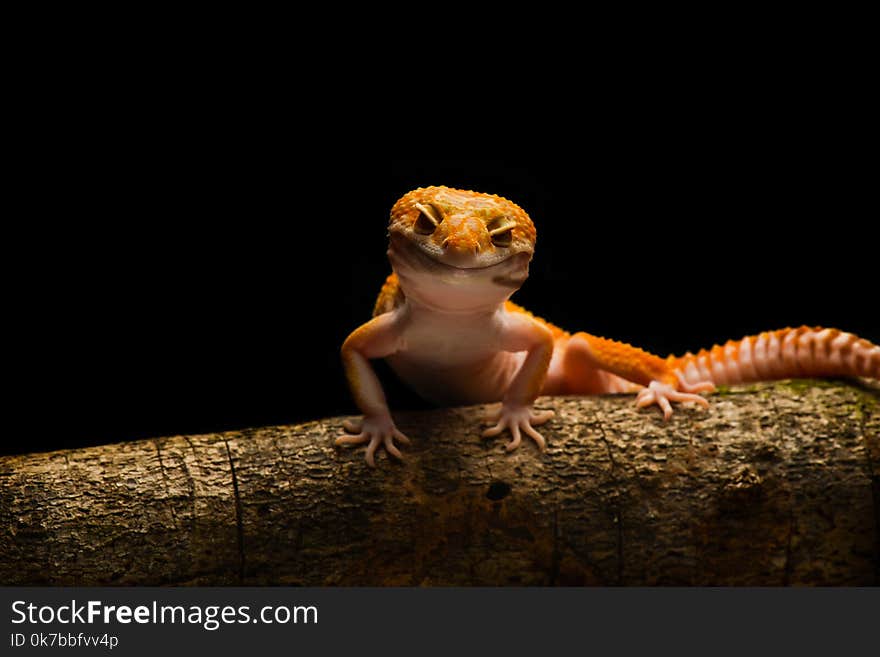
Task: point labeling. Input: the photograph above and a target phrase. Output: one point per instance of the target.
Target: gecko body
(444, 322)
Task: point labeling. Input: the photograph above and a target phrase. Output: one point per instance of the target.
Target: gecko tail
(786, 353)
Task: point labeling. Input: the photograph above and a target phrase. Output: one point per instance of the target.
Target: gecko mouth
(510, 271)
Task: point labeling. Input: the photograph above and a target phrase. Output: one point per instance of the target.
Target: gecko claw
(376, 431)
(518, 420)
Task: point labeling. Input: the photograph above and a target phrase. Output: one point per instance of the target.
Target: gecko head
(459, 247)
(463, 229)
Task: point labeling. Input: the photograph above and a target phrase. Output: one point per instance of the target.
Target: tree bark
(777, 484)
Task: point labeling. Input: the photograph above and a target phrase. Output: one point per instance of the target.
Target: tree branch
(775, 484)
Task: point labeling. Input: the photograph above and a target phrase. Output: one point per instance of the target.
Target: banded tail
(782, 354)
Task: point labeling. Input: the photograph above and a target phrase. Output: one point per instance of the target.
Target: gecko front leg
(377, 338)
(522, 333)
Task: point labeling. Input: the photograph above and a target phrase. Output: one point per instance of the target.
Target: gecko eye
(501, 230)
(428, 220)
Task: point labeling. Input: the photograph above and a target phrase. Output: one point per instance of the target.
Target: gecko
(445, 324)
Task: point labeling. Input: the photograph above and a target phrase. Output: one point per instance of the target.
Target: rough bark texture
(774, 485)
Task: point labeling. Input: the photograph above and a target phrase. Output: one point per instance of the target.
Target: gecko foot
(662, 393)
(376, 431)
(518, 419)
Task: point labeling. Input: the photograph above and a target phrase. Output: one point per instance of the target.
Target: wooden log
(777, 484)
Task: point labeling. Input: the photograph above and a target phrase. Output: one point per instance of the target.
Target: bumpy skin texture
(444, 322)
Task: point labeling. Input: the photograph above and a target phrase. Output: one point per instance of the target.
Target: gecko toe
(537, 437)
(352, 427)
(352, 440)
(371, 451)
(517, 438)
(391, 448)
(540, 417)
(402, 437)
(645, 398)
(493, 431)
(666, 406)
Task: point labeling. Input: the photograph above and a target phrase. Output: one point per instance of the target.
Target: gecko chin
(437, 284)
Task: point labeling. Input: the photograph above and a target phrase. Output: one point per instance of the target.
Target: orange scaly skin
(444, 322)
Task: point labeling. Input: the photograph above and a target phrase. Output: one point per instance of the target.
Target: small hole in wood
(498, 490)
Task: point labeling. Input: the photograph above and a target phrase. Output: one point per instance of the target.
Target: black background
(197, 286)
